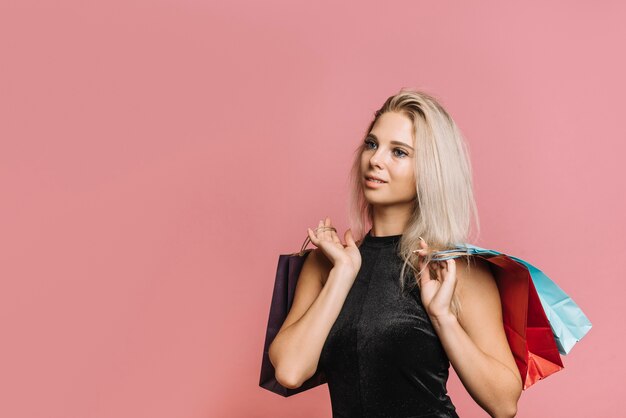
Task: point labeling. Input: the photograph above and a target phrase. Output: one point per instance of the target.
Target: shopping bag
(287, 274)
(569, 323)
(532, 337)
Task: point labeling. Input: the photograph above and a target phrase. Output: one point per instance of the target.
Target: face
(388, 154)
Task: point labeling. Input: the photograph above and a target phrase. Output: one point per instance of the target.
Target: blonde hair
(444, 205)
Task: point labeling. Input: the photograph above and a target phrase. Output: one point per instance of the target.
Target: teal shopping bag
(568, 322)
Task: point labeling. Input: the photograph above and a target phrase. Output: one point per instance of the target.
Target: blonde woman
(379, 316)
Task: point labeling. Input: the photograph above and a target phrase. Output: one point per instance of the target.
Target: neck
(390, 220)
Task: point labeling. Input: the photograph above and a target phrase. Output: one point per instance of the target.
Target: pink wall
(157, 156)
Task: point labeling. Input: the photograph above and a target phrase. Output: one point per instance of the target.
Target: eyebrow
(392, 142)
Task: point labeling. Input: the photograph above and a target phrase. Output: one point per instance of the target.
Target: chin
(375, 201)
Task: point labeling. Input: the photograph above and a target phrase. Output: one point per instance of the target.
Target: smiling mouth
(374, 180)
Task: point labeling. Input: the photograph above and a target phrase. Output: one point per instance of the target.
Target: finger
(320, 229)
(349, 238)
(438, 266)
(449, 279)
(330, 231)
(312, 237)
(432, 269)
(425, 277)
(423, 250)
(424, 270)
(449, 272)
(335, 237)
(423, 259)
(327, 229)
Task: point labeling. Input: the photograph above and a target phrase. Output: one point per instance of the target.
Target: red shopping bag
(525, 323)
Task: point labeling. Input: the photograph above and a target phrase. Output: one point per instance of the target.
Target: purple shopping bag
(287, 274)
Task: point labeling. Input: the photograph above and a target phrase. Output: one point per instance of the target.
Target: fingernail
(421, 239)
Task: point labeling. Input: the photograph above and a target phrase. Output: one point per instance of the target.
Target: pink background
(157, 156)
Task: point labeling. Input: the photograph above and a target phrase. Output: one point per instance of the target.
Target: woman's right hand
(343, 256)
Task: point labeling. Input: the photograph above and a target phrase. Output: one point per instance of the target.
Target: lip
(374, 177)
(372, 184)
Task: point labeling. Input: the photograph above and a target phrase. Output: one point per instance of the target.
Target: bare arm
(475, 342)
(296, 350)
(477, 346)
(494, 386)
(325, 280)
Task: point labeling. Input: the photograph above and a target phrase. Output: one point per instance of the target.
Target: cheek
(405, 175)
(405, 181)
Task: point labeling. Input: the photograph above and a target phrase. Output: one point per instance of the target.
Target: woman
(385, 334)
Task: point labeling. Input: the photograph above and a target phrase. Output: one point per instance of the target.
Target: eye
(368, 142)
(402, 153)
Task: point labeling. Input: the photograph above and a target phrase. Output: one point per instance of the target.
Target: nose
(375, 160)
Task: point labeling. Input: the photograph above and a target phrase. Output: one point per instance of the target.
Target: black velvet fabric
(382, 357)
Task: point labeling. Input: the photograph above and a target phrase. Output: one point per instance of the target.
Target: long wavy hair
(445, 204)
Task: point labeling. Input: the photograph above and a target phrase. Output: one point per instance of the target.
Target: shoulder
(474, 273)
(477, 289)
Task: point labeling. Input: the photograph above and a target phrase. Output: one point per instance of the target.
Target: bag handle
(449, 254)
(308, 239)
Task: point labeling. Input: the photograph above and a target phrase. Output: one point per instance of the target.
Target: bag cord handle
(308, 239)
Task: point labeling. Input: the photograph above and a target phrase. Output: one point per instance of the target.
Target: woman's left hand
(437, 294)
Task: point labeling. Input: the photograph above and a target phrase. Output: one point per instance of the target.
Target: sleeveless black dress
(382, 357)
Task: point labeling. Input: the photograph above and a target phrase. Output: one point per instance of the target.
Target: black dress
(382, 357)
